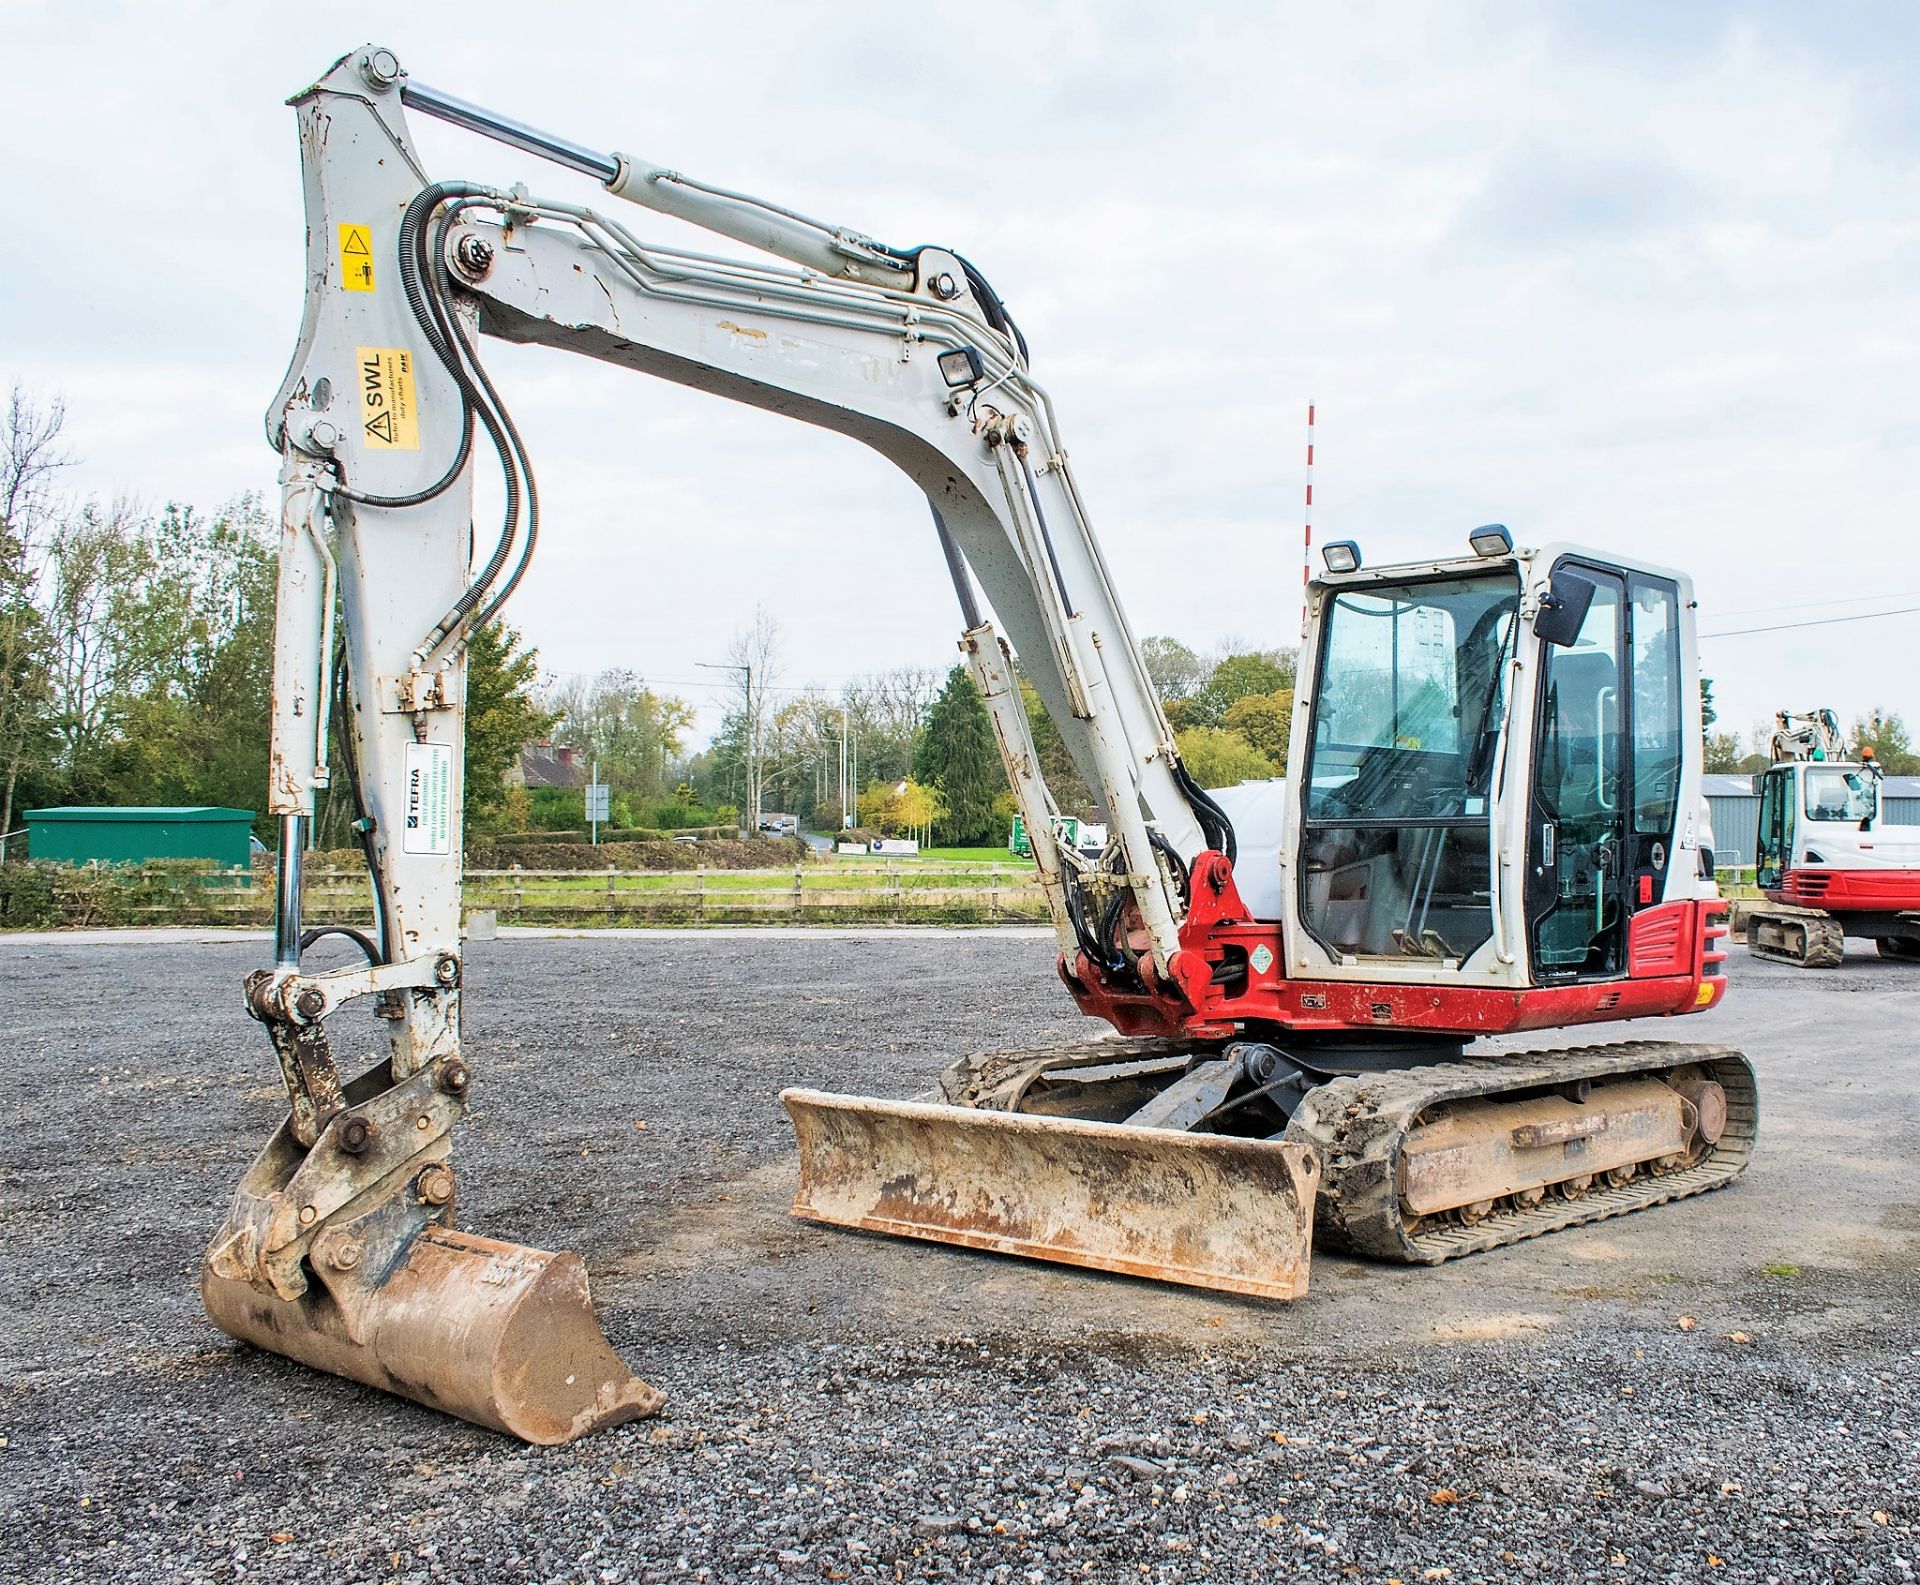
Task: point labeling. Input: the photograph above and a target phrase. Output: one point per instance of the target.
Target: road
(846, 1406)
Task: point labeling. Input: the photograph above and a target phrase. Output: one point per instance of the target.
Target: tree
(1886, 734)
(93, 554)
(957, 755)
(1218, 758)
(502, 718)
(1723, 752)
(1708, 714)
(753, 658)
(30, 457)
(1237, 677)
(904, 809)
(187, 664)
(635, 734)
(1264, 720)
(1175, 671)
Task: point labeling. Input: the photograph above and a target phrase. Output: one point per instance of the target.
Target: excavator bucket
(495, 1333)
(389, 1292)
(1206, 1210)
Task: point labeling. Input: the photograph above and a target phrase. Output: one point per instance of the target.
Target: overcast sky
(1642, 275)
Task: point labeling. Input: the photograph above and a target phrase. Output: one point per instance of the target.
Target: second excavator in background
(1824, 856)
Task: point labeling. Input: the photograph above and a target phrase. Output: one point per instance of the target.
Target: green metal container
(105, 835)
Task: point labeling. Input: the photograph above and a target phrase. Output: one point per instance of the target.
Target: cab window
(1839, 795)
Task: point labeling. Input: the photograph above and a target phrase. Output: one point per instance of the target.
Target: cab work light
(1341, 555)
(961, 366)
(1491, 539)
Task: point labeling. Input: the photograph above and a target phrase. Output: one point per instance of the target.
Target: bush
(585, 838)
(761, 853)
(26, 895)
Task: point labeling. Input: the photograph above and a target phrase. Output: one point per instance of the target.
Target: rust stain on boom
(1206, 1210)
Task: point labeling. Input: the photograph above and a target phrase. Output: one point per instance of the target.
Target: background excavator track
(1806, 936)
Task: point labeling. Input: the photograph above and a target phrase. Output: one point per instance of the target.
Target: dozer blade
(1206, 1210)
(495, 1333)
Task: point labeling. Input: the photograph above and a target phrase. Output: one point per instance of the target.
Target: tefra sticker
(428, 823)
(389, 415)
(356, 258)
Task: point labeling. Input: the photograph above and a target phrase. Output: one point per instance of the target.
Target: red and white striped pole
(1306, 550)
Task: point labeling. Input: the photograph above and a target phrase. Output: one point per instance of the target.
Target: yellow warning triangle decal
(356, 242)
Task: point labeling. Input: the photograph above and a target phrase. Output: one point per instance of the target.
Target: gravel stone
(847, 1407)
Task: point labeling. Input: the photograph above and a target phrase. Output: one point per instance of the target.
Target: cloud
(1573, 200)
(1640, 275)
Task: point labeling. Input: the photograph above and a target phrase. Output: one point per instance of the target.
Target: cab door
(1773, 849)
(1609, 750)
(1577, 849)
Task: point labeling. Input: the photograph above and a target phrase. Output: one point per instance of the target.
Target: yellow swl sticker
(389, 414)
(356, 258)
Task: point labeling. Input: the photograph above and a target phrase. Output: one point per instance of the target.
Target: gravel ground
(1720, 1390)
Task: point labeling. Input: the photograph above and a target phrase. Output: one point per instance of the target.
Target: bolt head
(344, 1255)
(308, 1215)
(945, 287)
(455, 1077)
(354, 1135)
(311, 1004)
(380, 68)
(1022, 428)
(447, 970)
(435, 1184)
(474, 254)
(323, 436)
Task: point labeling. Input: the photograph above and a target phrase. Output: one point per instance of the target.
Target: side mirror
(1564, 609)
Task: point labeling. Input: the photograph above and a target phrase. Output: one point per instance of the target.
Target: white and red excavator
(1491, 822)
(1829, 866)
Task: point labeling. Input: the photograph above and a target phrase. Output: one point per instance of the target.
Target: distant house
(549, 764)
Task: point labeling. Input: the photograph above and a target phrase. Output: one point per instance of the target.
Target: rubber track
(1360, 1125)
(1824, 938)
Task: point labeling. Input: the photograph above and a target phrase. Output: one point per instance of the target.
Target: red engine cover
(1674, 952)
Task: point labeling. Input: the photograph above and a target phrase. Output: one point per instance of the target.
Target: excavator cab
(1484, 798)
